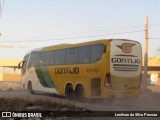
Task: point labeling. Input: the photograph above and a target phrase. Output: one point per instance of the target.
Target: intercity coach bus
(96, 69)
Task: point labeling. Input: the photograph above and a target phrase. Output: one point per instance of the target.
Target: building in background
(9, 70)
(153, 70)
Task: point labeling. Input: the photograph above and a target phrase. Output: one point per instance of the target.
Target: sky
(30, 24)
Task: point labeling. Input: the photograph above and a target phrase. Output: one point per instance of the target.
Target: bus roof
(63, 46)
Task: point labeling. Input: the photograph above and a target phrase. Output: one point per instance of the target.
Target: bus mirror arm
(19, 65)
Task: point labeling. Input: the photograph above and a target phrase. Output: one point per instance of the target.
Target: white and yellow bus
(96, 69)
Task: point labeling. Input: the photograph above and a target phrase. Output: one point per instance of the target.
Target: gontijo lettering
(125, 60)
(67, 70)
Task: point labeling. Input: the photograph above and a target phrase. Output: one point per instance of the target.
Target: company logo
(126, 47)
(6, 114)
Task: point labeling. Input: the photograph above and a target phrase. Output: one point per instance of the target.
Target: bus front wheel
(30, 87)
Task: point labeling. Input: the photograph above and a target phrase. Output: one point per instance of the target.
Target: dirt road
(148, 101)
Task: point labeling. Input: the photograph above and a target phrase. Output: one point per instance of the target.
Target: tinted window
(39, 59)
(84, 54)
(32, 61)
(96, 52)
(72, 56)
(60, 56)
(49, 58)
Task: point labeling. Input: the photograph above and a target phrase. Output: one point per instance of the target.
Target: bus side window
(60, 57)
(46, 58)
(96, 52)
(32, 60)
(52, 60)
(84, 54)
(40, 59)
(72, 56)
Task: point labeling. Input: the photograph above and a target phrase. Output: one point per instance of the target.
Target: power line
(76, 37)
(154, 38)
(108, 29)
(154, 24)
(99, 30)
(156, 4)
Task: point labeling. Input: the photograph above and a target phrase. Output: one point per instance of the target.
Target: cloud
(12, 46)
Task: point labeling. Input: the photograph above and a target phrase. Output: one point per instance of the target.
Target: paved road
(148, 101)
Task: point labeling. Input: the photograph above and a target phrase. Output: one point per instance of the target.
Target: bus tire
(30, 87)
(69, 90)
(79, 91)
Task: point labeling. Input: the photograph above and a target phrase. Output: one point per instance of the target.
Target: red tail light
(107, 83)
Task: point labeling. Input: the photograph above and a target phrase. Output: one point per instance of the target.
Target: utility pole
(145, 58)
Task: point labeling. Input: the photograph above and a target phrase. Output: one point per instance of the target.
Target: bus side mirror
(19, 65)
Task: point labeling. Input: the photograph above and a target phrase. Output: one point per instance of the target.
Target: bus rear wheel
(79, 91)
(69, 90)
(30, 87)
